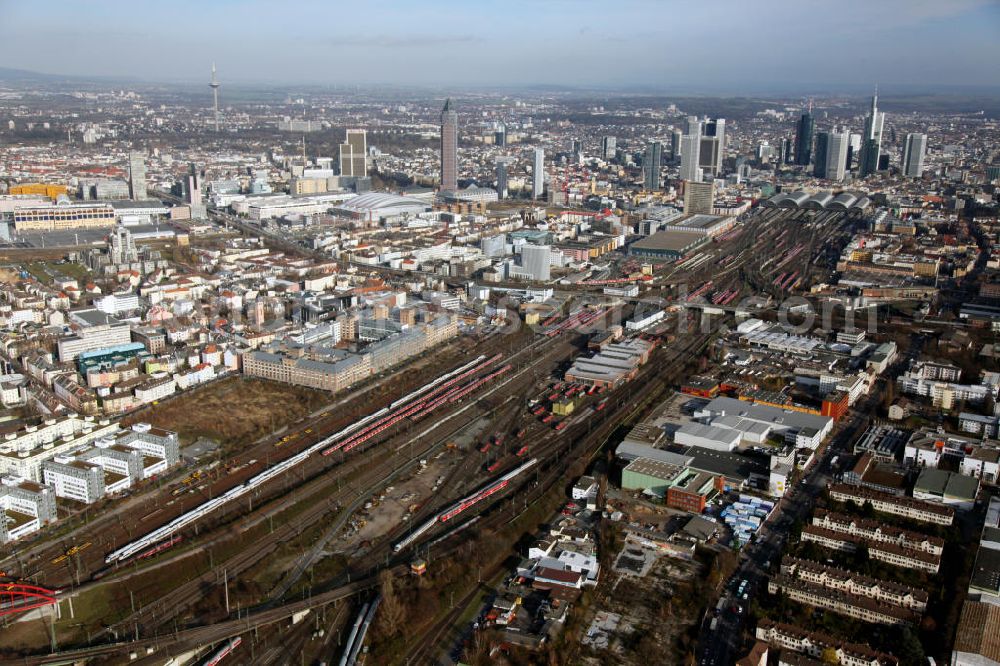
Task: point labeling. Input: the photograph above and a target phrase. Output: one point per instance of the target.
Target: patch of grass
(233, 410)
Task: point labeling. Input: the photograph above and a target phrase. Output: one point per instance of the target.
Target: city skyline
(590, 46)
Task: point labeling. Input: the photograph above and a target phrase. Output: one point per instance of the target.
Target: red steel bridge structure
(18, 597)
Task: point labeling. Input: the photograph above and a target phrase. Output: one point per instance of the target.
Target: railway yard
(275, 547)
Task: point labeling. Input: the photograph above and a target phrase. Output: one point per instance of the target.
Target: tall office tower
(830, 158)
(538, 174)
(502, 179)
(836, 155)
(871, 140)
(914, 150)
(784, 152)
(819, 158)
(609, 147)
(675, 145)
(353, 156)
(577, 151)
(193, 188)
(692, 125)
(651, 160)
(535, 260)
(214, 85)
(137, 175)
(500, 136)
(690, 149)
(713, 146)
(804, 139)
(449, 147)
(699, 198)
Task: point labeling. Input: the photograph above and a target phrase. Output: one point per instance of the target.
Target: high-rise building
(914, 150)
(192, 192)
(675, 145)
(712, 149)
(535, 260)
(651, 165)
(836, 155)
(353, 156)
(609, 147)
(449, 147)
(785, 152)
(577, 151)
(871, 141)
(500, 136)
(691, 150)
(538, 174)
(830, 158)
(502, 179)
(819, 161)
(699, 198)
(137, 175)
(121, 247)
(804, 139)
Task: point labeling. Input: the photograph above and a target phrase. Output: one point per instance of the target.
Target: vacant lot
(233, 410)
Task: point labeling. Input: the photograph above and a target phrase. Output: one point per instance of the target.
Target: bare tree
(390, 609)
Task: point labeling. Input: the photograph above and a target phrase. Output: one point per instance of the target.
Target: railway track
(581, 439)
(159, 612)
(174, 643)
(173, 603)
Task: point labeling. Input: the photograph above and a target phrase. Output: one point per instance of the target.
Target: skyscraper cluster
(831, 152)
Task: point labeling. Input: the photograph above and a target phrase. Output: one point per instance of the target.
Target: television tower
(214, 85)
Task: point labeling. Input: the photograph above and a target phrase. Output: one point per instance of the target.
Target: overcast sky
(738, 44)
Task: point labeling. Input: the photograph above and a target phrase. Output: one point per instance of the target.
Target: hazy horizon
(639, 44)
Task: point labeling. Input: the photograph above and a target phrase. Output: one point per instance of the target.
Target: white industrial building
(707, 436)
(797, 427)
(643, 322)
(752, 432)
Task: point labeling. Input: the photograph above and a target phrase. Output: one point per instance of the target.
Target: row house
(841, 580)
(843, 603)
(906, 507)
(812, 643)
(889, 553)
(873, 530)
